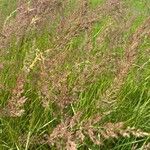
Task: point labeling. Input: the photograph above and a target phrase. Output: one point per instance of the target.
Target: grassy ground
(75, 75)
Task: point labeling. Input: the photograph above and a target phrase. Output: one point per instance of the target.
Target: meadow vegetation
(74, 75)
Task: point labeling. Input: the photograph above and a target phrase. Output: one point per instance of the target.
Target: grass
(77, 77)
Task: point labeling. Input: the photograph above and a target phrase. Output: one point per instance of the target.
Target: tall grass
(74, 74)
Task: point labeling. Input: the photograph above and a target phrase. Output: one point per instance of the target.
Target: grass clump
(74, 75)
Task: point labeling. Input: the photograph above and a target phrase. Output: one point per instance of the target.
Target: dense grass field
(74, 74)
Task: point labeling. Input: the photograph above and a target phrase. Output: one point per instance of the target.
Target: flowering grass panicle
(14, 106)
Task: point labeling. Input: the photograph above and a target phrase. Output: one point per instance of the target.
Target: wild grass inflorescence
(69, 74)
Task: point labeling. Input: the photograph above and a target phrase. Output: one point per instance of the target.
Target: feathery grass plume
(54, 78)
(43, 85)
(16, 27)
(54, 62)
(30, 15)
(80, 20)
(71, 145)
(115, 130)
(127, 62)
(47, 12)
(117, 9)
(72, 132)
(88, 129)
(53, 87)
(14, 107)
(100, 39)
(120, 23)
(62, 136)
